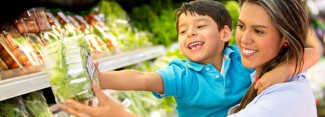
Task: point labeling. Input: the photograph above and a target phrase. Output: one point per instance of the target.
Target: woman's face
(258, 39)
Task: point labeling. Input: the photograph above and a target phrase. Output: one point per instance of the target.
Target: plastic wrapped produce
(70, 68)
(95, 43)
(39, 16)
(8, 57)
(18, 46)
(102, 30)
(70, 29)
(35, 42)
(36, 105)
(13, 107)
(55, 25)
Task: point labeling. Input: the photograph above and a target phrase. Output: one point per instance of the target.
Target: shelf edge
(28, 83)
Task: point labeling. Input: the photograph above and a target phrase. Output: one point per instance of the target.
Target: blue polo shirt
(201, 90)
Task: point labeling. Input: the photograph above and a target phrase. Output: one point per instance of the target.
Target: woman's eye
(201, 26)
(258, 31)
(240, 26)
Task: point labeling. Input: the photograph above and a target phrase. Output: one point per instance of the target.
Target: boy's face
(199, 39)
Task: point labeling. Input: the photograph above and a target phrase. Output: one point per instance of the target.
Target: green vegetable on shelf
(12, 108)
(36, 105)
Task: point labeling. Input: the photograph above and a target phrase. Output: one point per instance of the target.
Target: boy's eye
(181, 32)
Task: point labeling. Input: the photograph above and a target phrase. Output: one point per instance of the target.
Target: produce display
(157, 18)
(18, 47)
(36, 105)
(127, 36)
(13, 107)
(70, 68)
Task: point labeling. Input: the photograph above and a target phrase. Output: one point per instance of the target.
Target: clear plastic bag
(36, 105)
(70, 68)
(13, 107)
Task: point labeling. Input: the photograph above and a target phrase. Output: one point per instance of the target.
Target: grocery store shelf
(24, 84)
(28, 83)
(129, 58)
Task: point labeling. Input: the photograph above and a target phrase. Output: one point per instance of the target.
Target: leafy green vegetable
(66, 64)
(158, 18)
(12, 108)
(36, 105)
(112, 9)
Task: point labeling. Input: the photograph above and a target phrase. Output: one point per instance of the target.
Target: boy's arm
(282, 72)
(131, 80)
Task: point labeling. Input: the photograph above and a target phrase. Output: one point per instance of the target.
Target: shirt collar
(253, 76)
(229, 52)
(193, 65)
(198, 67)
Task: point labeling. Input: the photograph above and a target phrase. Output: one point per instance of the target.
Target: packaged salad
(36, 105)
(13, 107)
(70, 68)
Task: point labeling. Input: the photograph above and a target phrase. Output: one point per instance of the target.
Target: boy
(204, 28)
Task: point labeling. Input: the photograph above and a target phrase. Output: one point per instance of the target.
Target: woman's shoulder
(297, 87)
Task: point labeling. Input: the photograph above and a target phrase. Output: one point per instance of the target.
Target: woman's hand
(108, 106)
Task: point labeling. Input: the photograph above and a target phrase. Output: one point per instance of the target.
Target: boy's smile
(194, 46)
(200, 40)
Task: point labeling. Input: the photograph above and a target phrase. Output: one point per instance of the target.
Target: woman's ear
(225, 33)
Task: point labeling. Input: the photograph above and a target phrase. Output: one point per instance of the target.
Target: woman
(283, 26)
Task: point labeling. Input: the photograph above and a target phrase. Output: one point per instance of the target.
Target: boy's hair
(291, 20)
(211, 8)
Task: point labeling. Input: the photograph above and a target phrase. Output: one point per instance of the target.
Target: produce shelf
(28, 83)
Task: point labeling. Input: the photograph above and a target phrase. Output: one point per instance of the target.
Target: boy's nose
(191, 33)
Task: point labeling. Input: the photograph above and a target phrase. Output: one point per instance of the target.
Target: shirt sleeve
(172, 76)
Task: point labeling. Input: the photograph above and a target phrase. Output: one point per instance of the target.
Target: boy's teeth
(194, 44)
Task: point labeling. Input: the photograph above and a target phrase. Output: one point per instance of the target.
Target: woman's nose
(246, 38)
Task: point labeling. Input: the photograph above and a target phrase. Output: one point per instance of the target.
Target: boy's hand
(285, 69)
(269, 80)
(108, 107)
(278, 75)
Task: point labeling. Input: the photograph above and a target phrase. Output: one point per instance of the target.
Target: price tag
(90, 66)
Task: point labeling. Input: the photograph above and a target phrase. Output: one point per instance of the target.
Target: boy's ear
(225, 33)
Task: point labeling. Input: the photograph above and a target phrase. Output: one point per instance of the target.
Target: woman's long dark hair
(290, 18)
